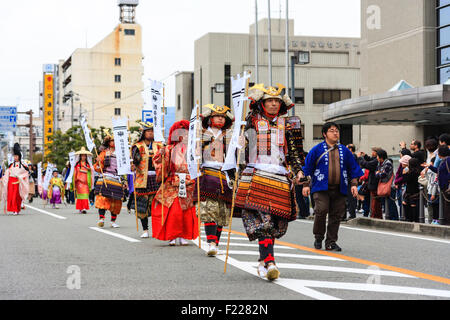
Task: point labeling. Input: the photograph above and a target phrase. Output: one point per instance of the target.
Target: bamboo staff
(134, 180)
(164, 155)
(198, 180)
(236, 175)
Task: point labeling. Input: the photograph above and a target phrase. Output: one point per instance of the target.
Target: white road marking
(114, 234)
(364, 287)
(286, 255)
(46, 212)
(385, 233)
(337, 269)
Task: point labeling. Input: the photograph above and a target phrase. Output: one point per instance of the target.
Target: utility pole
(31, 134)
(270, 45)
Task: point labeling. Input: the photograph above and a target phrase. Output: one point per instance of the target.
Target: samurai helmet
(214, 110)
(259, 93)
(145, 126)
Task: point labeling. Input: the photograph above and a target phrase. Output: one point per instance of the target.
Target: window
(117, 95)
(179, 102)
(317, 132)
(444, 16)
(444, 37)
(299, 96)
(117, 61)
(444, 56)
(117, 111)
(117, 78)
(129, 32)
(330, 96)
(443, 2)
(444, 75)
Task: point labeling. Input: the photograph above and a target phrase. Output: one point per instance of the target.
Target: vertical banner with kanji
(157, 108)
(239, 85)
(120, 130)
(87, 134)
(48, 111)
(193, 159)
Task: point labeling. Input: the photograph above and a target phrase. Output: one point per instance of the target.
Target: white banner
(39, 174)
(120, 129)
(157, 108)
(72, 167)
(87, 134)
(192, 157)
(10, 159)
(239, 85)
(48, 175)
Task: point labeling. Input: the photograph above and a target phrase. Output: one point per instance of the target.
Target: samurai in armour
(273, 164)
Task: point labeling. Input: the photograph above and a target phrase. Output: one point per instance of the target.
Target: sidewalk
(401, 226)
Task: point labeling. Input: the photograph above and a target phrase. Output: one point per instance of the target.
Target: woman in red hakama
(173, 213)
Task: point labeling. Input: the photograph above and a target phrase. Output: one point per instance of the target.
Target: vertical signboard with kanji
(48, 111)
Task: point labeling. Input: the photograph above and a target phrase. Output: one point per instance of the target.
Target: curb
(402, 226)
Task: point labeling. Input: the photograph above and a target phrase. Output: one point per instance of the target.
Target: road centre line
(46, 212)
(120, 236)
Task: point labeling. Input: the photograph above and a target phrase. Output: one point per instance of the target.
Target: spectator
(384, 173)
(429, 179)
(351, 202)
(431, 146)
(411, 197)
(416, 152)
(443, 175)
(444, 140)
(364, 193)
(371, 163)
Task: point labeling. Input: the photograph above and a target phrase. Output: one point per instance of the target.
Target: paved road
(58, 254)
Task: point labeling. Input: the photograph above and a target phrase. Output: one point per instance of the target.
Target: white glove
(287, 100)
(256, 95)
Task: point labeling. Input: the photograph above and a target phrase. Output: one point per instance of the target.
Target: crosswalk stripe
(293, 283)
(336, 269)
(120, 236)
(286, 255)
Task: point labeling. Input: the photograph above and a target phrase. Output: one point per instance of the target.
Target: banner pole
(163, 162)
(198, 178)
(236, 176)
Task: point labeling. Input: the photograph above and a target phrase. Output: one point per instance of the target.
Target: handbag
(364, 189)
(384, 188)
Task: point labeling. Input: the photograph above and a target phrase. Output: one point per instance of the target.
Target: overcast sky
(36, 32)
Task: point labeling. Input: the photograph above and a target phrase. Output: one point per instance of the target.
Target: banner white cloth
(87, 134)
(192, 157)
(72, 167)
(157, 108)
(48, 175)
(39, 173)
(10, 159)
(239, 85)
(120, 129)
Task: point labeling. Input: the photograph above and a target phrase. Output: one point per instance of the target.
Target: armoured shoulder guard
(294, 137)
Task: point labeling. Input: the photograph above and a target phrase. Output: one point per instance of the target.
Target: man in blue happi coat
(330, 166)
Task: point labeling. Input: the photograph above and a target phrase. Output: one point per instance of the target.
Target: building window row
(326, 96)
(443, 40)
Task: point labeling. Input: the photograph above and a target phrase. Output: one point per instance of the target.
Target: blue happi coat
(319, 175)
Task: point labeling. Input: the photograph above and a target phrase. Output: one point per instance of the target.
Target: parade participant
(173, 211)
(109, 187)
(331, 166)
(145, 184)
(15, 183)
(31, 182)
(215, 194)
(274, 157)
(55, 189)
(83, 179)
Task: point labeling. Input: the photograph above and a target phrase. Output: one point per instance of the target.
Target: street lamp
(218, 88)
(302, 58)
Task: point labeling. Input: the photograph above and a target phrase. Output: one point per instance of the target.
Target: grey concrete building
(332, 75)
